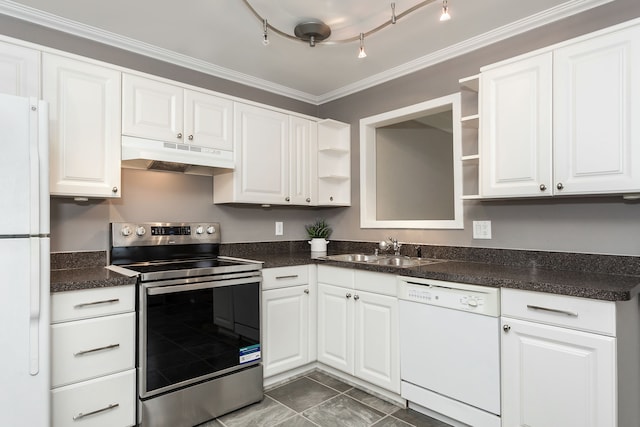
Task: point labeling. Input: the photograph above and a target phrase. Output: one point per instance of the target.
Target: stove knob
(140, 231)
(211, 229)
(199, 229)
(126, 231)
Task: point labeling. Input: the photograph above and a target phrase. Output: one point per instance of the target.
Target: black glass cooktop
(181, 265)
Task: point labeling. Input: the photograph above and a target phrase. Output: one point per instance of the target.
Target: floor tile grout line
(335, 389)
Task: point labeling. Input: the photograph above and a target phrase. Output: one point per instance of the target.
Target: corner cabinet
(19, 70)
(469, 124)
(562, 122)
(358, 325)
(84, 127)
(334, 163)
(568, 361)
(283, 159)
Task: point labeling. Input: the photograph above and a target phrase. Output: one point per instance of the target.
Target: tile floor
(319, 400)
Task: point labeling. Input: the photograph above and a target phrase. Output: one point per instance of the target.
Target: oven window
(191, 334)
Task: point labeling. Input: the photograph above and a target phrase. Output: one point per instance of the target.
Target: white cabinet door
(262, 149)
(377, 357)
(596, 106)
(208, 120)
(285, 329)
(554, 376)
(19, 70)
(335, 327)
(152, 109)
(84, 127)
(516, 128)
(303, 172)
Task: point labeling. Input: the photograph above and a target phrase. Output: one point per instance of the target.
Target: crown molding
(75, 28)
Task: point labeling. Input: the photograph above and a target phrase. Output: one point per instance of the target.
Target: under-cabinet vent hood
(140, 153)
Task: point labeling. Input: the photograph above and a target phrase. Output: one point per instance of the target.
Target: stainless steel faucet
(383, 245)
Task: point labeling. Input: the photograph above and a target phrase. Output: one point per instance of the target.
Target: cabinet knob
(114, 190)
(306, 291)
(308, 199)
(348, 295)
(356, 297)
(179, 136)
(506, 328)
(331, 198)
(287, 198)
(190, 137)
(559, 186)
(543, 187)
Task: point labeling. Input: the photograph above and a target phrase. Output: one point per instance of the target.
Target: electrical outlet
(482, 229)
(279, 228)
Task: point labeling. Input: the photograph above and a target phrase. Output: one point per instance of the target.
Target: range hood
(141, 153)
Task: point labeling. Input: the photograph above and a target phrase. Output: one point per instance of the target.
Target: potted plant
(318, 232)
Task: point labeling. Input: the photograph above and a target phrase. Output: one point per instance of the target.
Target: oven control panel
(125, 234)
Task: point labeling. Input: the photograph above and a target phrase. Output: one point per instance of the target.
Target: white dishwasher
(450, 350)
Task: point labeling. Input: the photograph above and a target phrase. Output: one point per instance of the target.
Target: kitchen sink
(390, 260)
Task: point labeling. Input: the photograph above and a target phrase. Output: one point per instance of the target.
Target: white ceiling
(223, 38)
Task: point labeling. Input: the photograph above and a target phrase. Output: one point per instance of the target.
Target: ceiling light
(445, 11)
(362, 53)
(315, 31)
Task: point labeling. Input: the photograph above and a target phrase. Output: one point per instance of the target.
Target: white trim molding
(35, 16)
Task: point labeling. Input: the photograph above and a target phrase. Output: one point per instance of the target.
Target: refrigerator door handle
(34, 307)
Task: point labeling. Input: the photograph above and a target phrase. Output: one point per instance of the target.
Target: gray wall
(596, 225)
(605, 225)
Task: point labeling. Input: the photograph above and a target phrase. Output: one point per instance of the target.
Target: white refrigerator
(24, 263)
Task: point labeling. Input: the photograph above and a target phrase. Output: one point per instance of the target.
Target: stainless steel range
(199, 350)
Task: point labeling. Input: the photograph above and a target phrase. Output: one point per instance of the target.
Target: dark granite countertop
(609, 287)
(581, 275)
(87, 278)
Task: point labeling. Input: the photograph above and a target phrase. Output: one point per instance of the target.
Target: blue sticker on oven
(249, 354)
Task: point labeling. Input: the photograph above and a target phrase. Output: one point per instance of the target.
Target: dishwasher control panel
(458, 296)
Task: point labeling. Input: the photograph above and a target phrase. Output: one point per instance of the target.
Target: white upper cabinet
(562, 122)
(190, 120)
(334, 163)
(276, 159)
(595, 112)
(516, 129)
(19, 70)
(84, 127)
(262, 159)
(152, 109)
(303, 167)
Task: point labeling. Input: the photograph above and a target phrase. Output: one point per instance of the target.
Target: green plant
(319, 229)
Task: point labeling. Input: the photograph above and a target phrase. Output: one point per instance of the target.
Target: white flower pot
(319, 245)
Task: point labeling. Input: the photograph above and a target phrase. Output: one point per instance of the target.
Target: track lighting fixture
(315, 31)
(265, 36)
(362, 53)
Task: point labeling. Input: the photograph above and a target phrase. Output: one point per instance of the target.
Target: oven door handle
(171, 289)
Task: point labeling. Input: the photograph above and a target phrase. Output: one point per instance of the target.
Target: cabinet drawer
(378, 283)
(91, 348)
(108, 401)
(336, 276)
(561, 310)
(282, 277)
(82, 304)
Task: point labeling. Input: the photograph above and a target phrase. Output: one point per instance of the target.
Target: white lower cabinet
(93, 358)
(358, 325)
(288, 319)
(564, 362)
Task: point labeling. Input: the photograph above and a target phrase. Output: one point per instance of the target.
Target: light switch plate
(279, 228)
(482, 229)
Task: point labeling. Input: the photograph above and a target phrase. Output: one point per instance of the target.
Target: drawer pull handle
(553, 310)
(93, 350)
(88, 304)
(292, 276)
(97, 411)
